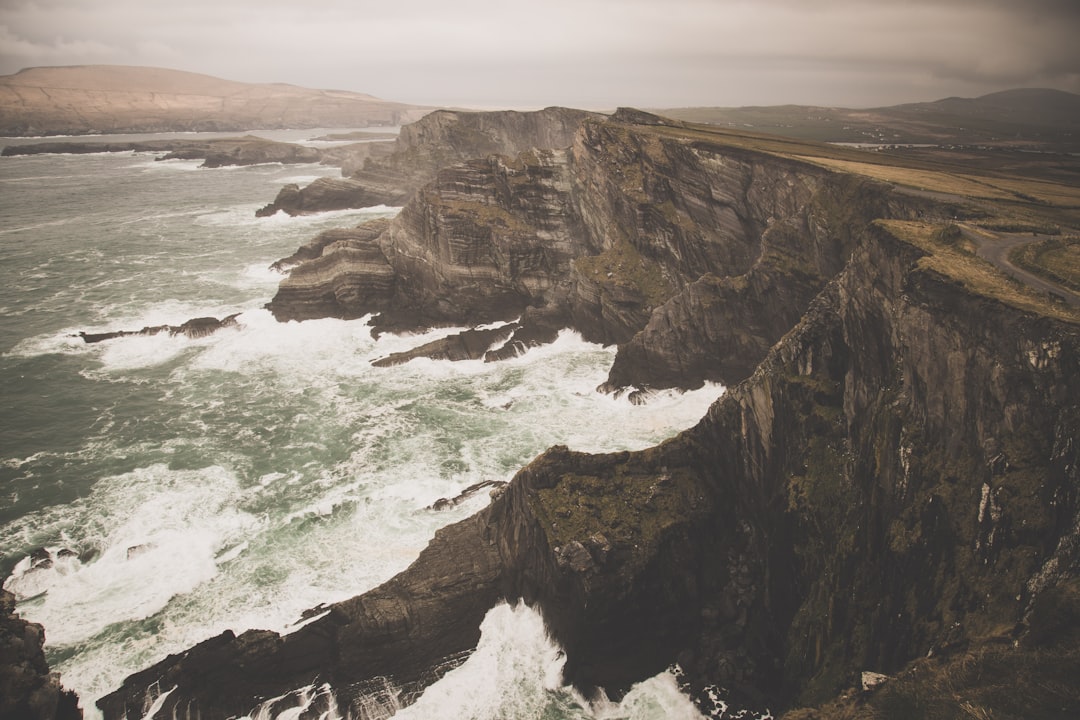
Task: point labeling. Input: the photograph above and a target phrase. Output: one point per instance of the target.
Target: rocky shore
(892, 475)
(28, 691)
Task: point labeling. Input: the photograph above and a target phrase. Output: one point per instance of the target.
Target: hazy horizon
(594, 54)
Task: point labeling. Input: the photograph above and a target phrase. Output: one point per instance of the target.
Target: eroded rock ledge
(899, 476)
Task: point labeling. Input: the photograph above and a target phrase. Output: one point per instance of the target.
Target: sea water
(188, 486)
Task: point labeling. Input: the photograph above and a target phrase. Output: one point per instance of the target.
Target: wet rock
(28, 690)
(465, 345)
(194, 328)
(447, 503)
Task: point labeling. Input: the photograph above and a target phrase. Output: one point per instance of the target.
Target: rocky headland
(440, 139)
(90, 99)
(624, 236)
(889, 487)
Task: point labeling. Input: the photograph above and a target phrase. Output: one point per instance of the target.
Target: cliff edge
(437, 140)
(890, 486)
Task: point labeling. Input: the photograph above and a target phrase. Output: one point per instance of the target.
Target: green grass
(976, 275)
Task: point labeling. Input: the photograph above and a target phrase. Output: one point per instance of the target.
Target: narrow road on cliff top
(995, 247)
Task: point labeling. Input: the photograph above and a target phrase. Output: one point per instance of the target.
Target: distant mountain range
(1040, 118)
(88, 99)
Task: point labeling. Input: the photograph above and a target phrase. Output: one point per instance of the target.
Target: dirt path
(995, 247)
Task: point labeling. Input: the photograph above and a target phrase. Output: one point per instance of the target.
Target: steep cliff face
(438, 140)
(898, 477)
(896, 474)
(28, 690)
(695, 255)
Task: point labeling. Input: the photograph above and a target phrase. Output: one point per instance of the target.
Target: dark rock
(813, 524)
(329, 194)
(410, 630)
(438, 140)
(696, 268)
(340, 273)
(894, 472)
(136, 550)
(194, 328)
(465, 345)
(447, 503)
(28, 690)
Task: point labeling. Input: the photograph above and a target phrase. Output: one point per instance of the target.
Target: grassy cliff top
(1012, 200)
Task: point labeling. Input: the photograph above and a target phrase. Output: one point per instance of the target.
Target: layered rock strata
(438, 140)
(899, 476)
(896, 477)
(696, 256)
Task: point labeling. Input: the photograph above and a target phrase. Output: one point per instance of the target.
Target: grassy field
(954, 259)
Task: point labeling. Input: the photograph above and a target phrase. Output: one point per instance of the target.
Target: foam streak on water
(184, 487)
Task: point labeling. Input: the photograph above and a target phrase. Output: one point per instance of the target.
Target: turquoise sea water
(236, 480)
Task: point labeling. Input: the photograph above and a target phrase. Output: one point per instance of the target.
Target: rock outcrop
(440, 139)
(694, 255)
(194, 328)
(899, 476)
(893, 474)
(28, 691)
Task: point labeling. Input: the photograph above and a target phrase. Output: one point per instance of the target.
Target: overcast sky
(583, 53)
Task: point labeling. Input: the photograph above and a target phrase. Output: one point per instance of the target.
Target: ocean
(183, 486)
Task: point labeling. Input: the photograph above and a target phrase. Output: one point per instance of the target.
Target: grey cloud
(592, 53)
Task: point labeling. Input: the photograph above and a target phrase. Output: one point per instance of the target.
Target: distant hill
(114, 98)
(1039, 118)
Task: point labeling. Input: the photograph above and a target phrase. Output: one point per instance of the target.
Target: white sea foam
(148, 162)
(299, 179)
(516, 672)
(262, 470)
(152, 533)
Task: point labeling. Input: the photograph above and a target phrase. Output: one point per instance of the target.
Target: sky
(594, 54)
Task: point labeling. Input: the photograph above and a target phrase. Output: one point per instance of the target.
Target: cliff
(890, 484)
(897, 478)
(624, 235)
(28, 691)
(439, 139)
(88, 99)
